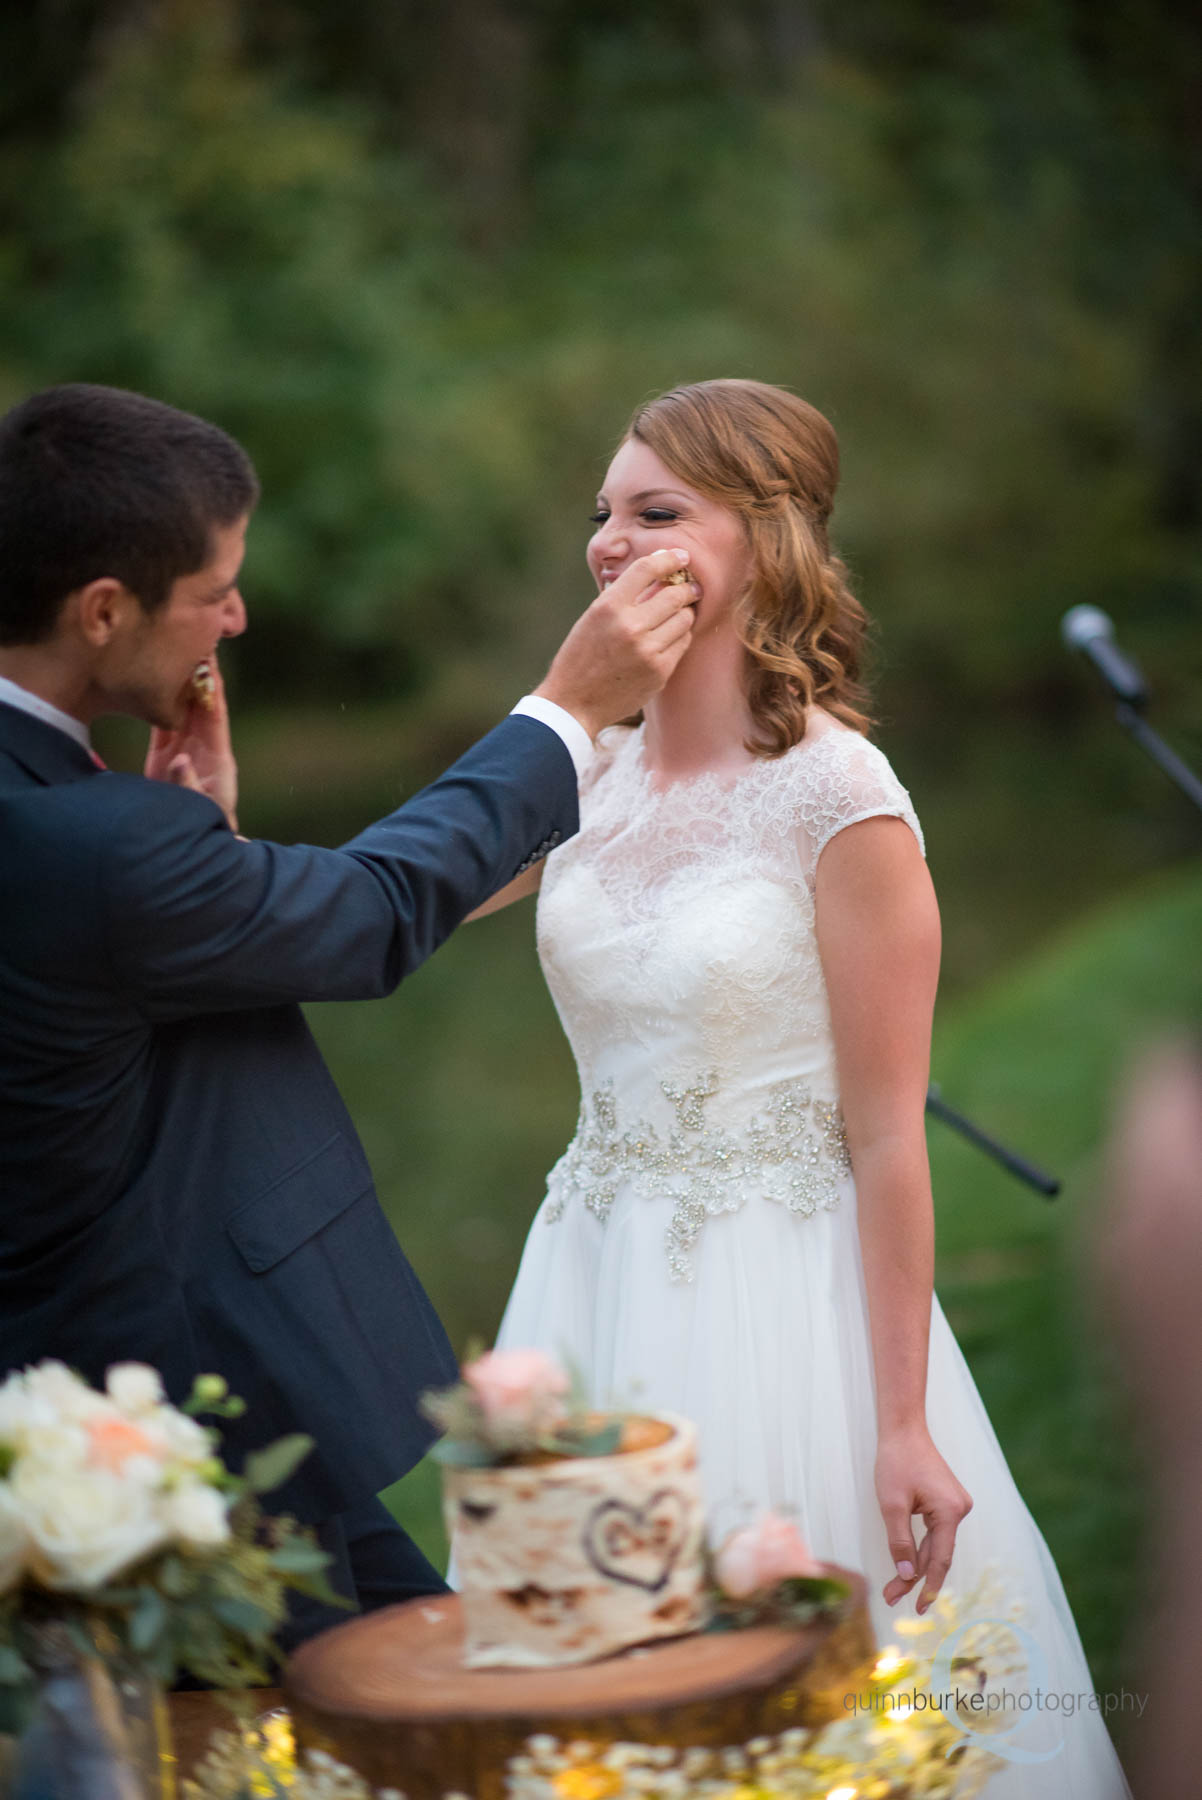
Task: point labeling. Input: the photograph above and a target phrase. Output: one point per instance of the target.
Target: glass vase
(98, 1726)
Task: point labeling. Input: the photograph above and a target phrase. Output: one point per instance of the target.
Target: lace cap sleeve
(847, 779)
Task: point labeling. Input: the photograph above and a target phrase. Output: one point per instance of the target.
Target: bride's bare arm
(878, 936)
(517, 889)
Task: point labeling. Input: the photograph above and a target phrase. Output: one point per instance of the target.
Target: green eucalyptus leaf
(459, 1455)
(578, 1397)
(318, 1588)
(148, 1621)
(80, 1638)
(266, 1469)
(17, 1703)
(819, 1590)
(602, 1442)
(296, 1556)
(243, 1616)
(173, 1577)
(13, 1668)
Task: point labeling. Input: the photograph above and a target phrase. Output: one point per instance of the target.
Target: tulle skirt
(768, 1349)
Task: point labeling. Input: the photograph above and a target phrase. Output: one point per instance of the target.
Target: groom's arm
(196, 921)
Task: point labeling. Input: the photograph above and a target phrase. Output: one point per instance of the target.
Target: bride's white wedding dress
(697, 1249)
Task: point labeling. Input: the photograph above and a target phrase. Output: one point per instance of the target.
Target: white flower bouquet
(122, 1534)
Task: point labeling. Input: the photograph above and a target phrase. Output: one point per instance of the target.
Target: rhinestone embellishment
(793, 1151)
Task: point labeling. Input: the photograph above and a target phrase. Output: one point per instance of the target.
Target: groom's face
(149, 664)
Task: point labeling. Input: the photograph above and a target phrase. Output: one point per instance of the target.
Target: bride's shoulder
(837, 777)
(829, 744)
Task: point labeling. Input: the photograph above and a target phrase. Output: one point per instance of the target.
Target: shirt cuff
(569, 730)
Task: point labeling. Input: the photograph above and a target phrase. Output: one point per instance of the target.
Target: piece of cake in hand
(203, 686)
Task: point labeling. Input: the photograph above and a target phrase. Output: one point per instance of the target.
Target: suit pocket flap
(299, 1203)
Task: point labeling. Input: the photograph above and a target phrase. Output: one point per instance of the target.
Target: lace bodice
(676, 932)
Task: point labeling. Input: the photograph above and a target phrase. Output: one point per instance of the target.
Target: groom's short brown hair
(96, 481)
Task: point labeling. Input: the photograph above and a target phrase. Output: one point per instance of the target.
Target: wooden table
(388, 1694)
(195, 1717)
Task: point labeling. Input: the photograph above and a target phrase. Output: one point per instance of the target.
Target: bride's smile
(644, 506)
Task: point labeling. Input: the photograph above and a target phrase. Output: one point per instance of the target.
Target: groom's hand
(199, 755)
(623, 649)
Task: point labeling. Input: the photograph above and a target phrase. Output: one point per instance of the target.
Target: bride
(743, 946)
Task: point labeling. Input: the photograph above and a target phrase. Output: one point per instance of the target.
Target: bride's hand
(912, 1477)
(199, 754)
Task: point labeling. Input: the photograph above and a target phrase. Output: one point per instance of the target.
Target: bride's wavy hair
(774, 460)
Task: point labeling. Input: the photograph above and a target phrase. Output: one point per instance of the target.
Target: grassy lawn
(465, 1094)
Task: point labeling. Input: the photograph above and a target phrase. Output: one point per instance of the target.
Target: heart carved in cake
(638, 1545)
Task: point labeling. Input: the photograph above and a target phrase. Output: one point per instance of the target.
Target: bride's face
(643, 507)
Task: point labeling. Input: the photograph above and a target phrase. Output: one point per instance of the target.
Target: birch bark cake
(578, 1543)
(572, 1559)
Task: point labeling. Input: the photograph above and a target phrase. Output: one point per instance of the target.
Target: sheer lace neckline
(707, 783)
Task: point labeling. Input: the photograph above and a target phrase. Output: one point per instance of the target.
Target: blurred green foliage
(429, 334)
(423, 259)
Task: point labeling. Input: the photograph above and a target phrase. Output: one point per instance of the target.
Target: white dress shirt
(24, 701)
(576, 739)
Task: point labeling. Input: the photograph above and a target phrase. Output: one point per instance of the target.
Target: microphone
(1091, 631)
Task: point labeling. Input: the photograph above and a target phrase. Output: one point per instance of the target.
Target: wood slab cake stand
(388, 1694)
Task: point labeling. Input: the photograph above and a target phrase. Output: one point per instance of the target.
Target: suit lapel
(41, 752)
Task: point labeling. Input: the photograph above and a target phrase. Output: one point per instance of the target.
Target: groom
(180, 1182)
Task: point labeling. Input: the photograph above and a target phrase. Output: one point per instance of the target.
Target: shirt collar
(14, 695)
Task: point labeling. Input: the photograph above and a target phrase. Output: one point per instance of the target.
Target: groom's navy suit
(180, 1182)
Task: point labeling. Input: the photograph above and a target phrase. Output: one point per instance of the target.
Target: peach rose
(518, 1387)
(115, 1442)
(758, 1557)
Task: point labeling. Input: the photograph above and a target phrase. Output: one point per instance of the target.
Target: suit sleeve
(197, 921)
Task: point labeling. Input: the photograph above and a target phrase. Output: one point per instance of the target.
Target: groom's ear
(101, 610)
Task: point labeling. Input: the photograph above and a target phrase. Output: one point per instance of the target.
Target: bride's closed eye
(651, 515)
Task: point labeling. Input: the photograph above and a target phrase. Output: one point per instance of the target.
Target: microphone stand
(1131, 718)
(938, 1108)
(1133, 721)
